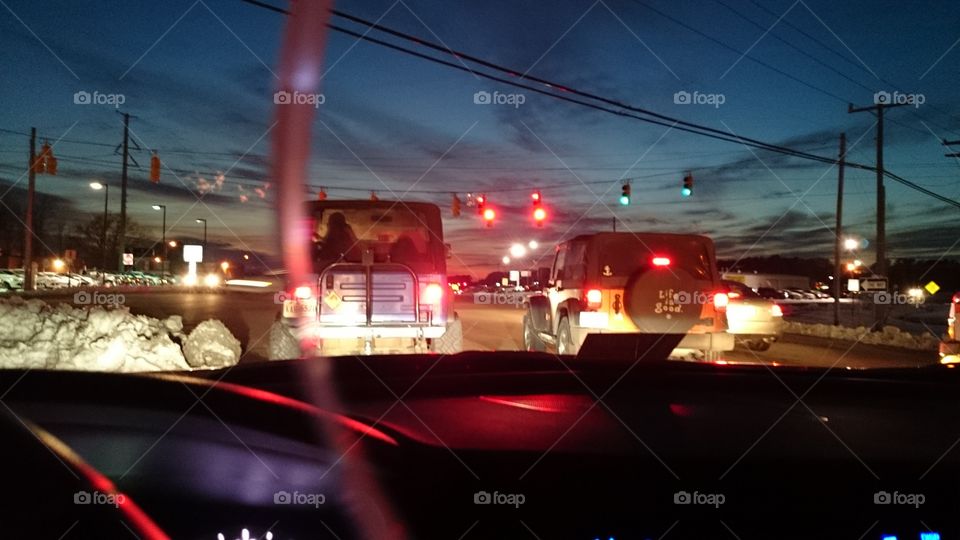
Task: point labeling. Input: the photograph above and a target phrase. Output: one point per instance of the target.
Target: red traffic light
(489, 214)
(535, 196)
(539, 215)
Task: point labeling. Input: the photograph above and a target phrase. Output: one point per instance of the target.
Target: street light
(96, 186)
(533, 244)
(172, 243)
(201, 220)
(517, 251)
(163, 235)
(851, 244)
(505, 260)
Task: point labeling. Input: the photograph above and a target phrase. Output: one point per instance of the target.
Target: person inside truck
(340, 242)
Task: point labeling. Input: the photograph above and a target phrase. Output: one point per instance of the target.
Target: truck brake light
(661, 261)
(720, 301)
(594, 298)
(432, 294)
(776, 311)
(303, 292)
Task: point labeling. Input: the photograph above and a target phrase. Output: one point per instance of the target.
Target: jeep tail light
(956, 298)
(776, 311)
(303, 292)
(661, 261)
(432, 294)
(720, 301)
(594, 298)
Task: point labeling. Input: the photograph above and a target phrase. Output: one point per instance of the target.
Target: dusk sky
(198, 76)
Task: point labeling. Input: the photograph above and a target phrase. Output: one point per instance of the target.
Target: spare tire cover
(663, 300)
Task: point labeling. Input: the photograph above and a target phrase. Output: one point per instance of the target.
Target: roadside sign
(128, 259)
(514, 275)
(192, 253)
(853, 285)
(874, 284)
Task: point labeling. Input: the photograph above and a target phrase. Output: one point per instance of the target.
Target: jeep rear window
(397, 234)
(622, 256)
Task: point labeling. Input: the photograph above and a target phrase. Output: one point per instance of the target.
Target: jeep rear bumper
(710, 341)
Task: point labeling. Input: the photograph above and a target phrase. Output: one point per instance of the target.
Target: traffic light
(155, 168)
(539, 213)
(322, 195)
(455, 206)
(373, 196)
(481, 201)
(45, 163)
(687, 189)
(625, 195)
(488, 216)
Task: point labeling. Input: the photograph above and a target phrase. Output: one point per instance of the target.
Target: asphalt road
(486, 327)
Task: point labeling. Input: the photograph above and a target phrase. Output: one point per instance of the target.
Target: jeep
(615, 283)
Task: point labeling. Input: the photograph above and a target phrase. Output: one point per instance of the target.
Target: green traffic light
(686, 192)
(624, 200)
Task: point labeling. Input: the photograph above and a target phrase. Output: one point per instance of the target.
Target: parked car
(950, 345)
(754, 321)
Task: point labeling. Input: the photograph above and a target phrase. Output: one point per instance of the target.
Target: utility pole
(952, 143)
(880, 267)
(29, 279)
(122, 226)
(614, 221)
(837, 281)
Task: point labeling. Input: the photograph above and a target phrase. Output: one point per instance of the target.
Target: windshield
(595, 174)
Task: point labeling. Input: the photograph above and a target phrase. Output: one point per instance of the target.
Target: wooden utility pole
(29, 279)
(880, 266)
(122, 226)
(837, 268)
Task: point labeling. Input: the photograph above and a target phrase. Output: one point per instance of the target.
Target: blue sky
(199, 78)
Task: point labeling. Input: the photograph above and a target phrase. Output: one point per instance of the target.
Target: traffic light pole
(837, 281)
(29, 280)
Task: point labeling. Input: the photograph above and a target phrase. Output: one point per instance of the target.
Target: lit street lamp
(163, 235)
(103, 240)
(533, 244)
(517, 251)
(505, 260)
(851, 244)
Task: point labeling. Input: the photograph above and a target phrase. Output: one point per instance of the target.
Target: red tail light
(776, 311)
(432, 294)
(720, 301)
(594, 298)
(956, 298)
(303, 292)
(661, 261)
(731, 295)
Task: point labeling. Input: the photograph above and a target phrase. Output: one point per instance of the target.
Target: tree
(91, 238)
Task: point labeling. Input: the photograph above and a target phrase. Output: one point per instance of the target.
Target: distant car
(768, 292)
(950, 346)
(754, 321)
(11, 280)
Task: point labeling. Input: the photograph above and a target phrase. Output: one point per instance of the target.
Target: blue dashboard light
(929, 536)
(888, 537)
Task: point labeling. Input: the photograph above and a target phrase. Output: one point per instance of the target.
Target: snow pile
(283, 344)
(211, 345)
(34, 334)
(890, 335)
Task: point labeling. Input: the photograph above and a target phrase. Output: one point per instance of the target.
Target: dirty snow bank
(890, 335)
(34, 334)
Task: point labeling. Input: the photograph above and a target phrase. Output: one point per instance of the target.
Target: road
(486, 327)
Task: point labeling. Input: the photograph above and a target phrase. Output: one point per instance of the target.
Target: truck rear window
(397, 234)
(624, 255)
